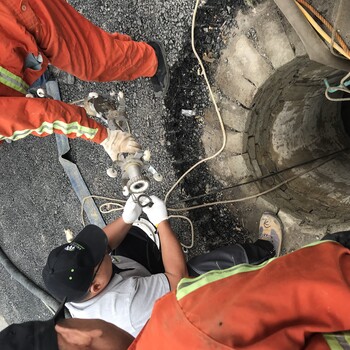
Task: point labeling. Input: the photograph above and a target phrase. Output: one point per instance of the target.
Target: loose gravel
(37, 201)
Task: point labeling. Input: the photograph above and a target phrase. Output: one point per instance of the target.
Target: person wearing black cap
(116, 289)
(298, 301)
(59, 333)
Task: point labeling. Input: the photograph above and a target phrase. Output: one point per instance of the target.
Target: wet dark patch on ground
(186, 101)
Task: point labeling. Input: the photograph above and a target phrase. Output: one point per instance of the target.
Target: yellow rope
(327, 25)
(323, 34)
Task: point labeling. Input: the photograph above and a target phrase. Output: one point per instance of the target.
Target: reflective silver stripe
(49, 128)
(188, 285)
(338, 341)
(13, 81)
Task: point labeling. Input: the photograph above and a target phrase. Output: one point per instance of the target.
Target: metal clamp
(144, 200)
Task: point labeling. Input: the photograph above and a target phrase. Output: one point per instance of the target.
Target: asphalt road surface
(37, 200)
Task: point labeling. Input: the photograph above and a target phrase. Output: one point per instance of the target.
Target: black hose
(257, 179)
(27, 283)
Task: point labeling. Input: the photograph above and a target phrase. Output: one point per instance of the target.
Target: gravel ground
(37, 201)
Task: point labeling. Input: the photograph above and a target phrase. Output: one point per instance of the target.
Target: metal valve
(133, 166)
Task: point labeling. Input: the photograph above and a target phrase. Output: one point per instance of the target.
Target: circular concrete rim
(276, 116)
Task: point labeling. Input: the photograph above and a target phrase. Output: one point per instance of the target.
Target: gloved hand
(117, 142)
(132, 211)
(98, 106)
(157, 212)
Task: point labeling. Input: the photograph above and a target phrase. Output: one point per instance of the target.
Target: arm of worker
(118, 229)
(74, 333)
(21, 116)
(172, 255)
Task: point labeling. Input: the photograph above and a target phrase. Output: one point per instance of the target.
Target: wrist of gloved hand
(118, 142)
(157, 212)
(132, 211)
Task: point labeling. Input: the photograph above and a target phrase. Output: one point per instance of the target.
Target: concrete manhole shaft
(272, 101)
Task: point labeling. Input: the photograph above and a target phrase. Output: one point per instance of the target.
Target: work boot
(161, 79)
(270, 229)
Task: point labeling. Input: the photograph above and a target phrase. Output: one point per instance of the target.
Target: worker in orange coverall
(296, 301)
(35, 33)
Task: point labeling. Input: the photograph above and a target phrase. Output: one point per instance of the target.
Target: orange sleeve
(296, 301)
(21, 116)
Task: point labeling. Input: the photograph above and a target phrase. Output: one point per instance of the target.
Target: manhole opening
(345, 114)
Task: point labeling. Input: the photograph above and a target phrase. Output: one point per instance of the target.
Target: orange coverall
(293, 302)
(70, 42)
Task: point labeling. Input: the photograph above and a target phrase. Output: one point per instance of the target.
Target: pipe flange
(138, 184)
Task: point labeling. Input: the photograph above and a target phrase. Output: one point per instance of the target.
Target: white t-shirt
(128, 299)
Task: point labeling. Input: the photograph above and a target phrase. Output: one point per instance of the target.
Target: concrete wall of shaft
(271, 96)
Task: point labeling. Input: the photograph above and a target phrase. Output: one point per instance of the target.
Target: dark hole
(345, 114)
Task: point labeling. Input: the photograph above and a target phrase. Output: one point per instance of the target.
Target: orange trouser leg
(285, 305)
(75, 45)
(280, 305)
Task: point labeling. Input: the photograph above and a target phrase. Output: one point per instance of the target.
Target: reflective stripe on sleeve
(13, 81)
(338, 341)
(49, 128)
(189, 285)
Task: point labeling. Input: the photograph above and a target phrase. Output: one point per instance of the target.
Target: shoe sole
(274, 216)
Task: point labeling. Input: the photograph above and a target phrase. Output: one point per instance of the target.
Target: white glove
(117, 142)
(132, 211)
(157, 212)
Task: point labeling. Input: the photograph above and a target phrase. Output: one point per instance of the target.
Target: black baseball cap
(33, 335)
(69, 270)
